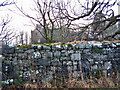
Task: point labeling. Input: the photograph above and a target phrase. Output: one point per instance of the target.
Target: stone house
(62, 35)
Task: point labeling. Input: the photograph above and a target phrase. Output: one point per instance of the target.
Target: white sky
(20, 22)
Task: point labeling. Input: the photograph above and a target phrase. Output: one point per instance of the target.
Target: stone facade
(61, 35)
(41, 62)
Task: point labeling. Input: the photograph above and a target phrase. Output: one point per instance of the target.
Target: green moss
(98, 50)
(19, 83)
(50, 44)
(59, 57)
(24, 46)
(95, 59)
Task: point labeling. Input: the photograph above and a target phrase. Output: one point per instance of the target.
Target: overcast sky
(19, 22)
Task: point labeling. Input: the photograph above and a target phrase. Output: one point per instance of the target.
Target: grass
(102, 82)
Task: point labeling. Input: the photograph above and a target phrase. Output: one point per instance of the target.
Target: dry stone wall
(41, 62)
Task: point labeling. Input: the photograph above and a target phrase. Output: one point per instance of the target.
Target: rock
(112, 45)
(88, 45)
(118, 44)
(37, 55)
(95, 67)
(105, 45)
(81, 45)
(43, 62)
(107, 65)
(34, 46)
(46, 47)
(76, 56)
(30, 51)
(70, 46)
(57, 53)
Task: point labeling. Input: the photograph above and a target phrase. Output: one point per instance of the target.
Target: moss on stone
(24, 46)
(98, 50)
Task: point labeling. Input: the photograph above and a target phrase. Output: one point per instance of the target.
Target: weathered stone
(39, 47)
(34, 46)
(105, 45)
(29, 51)
(64, 53)
(57, 53)
(47, 55)
(69, 63)
(107, 65)
(112, 45)
(65, 47)
(70, 46)
(45, 61)
(95, 67)
(58, 46)
(75, 56)
(46, 47)
(118, 44)
(81, 45)
(56, 63)
(37, 55)
(88, 45)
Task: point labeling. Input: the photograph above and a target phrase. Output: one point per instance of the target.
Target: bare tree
(77, 15)
(6, 34)
(6, 2)
(89, 10)
(49, 16)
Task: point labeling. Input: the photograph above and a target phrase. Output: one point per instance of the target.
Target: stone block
(82, 45)
(94, 67)
(46, 47)
(43, 62)
(88, 45)
(75, 56)
(37, 55)
(46, 55)
(57, 53)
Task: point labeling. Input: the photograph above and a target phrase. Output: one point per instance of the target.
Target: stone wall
(0, 63)
(41, 62)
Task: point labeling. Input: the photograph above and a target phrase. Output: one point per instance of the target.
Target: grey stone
(65, 47)
(107, 65)
(29, 51)
(95, 67)
(75, 56)
(56, 63)
(37, 55)
(105, 45)
(112, 45)
(64, 53)
(56, 53)
(46, 47)
(61, 60)
(98, 45)
(69, 63)
(81, 45)
(70, 46)
(47, 55)
(43, 62)
(70, 52)
(58, 46)
(88, 45)
(39, 47)
(118, 44)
